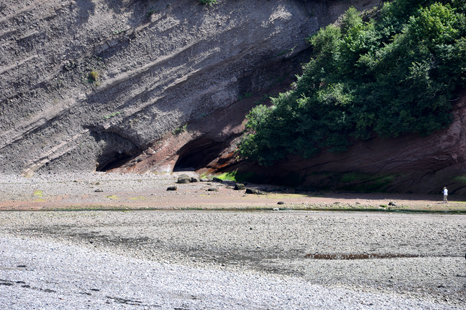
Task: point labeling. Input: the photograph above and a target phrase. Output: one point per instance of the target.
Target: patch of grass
(374, 184)
(179, 130)
(208, 2)
(354, 176)
(460, 178)
(236, 176)
(112, 197)
(204, 175)
(38, 193)
(286, 51)
(138, 198)
(227, 176)
(151, 12)
(93, 76)
(111, 115)
(246, 95)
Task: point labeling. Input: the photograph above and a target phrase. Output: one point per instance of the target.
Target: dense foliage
(387, 76)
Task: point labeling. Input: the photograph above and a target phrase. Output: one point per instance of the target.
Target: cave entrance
(116, 161)
(198, 154)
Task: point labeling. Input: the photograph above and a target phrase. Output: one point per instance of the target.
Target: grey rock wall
(84, 83)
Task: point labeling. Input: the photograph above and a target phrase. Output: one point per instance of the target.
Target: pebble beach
(176, 258)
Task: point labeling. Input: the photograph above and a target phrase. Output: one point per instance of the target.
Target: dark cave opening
(116, 161)
(198, 154)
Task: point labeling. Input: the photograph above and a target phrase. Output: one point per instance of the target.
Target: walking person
(445, 195)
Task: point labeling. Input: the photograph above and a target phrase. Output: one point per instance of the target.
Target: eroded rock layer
(88, 84)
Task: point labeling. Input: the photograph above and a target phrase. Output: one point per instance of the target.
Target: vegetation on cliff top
(388, 76)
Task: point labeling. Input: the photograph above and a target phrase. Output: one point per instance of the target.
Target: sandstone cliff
(152, 86)
(87, 85)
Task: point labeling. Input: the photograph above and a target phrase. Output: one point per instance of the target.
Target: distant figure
(445, 195)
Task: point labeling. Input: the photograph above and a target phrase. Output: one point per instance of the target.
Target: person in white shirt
(445, 195)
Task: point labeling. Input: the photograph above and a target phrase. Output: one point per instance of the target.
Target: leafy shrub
(208, 2)
(385, 77)
(180, 130)
(93, 76)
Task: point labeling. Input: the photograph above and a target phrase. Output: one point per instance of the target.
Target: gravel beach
(193, 259)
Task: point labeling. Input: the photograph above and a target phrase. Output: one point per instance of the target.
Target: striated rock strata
(92, 84)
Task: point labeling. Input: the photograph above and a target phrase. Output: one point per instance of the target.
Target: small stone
(239, 186)
(391, 203)
(194, 180)
(217, 180)
(171, 188)
(276, 209)
(280, 203)
(99, 190)
(212, 189)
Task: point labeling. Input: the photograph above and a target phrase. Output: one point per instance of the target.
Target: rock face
(411, 163)
(88, 85)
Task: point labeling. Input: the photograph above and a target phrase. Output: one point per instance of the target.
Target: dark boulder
(239, 186)
(253, 191)
(184, 178)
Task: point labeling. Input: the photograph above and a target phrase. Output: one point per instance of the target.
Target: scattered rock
(253, 191)
(391, 203)
(280, 203)
(276, 209)
(171, 188)
(194, 180)
(239, 186)
(212, 189)
(184, 178)
(99, 190)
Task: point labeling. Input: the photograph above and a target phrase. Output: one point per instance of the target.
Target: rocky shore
(302, 259)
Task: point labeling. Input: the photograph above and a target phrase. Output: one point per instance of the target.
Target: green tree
(385, 77)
